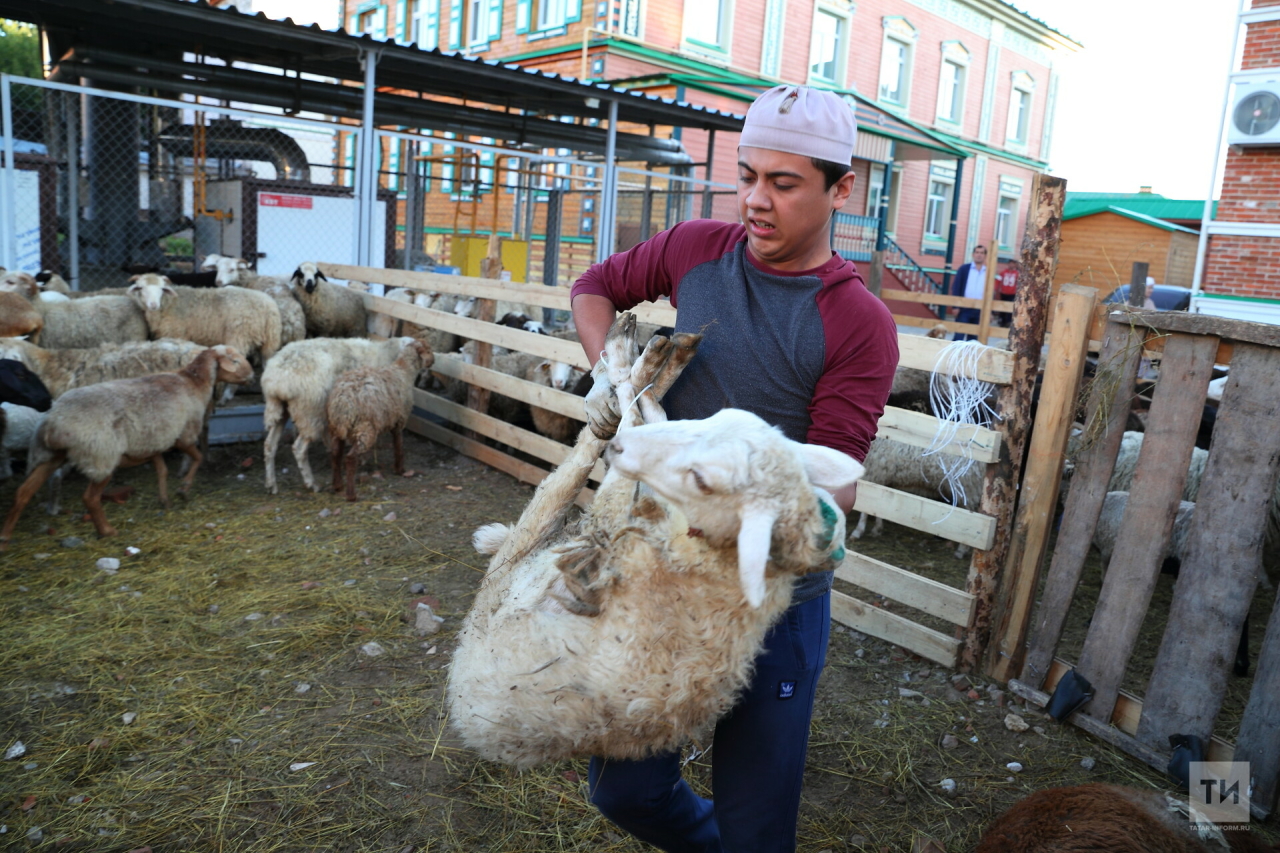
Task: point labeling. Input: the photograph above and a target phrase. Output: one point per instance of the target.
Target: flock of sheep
(109, 359)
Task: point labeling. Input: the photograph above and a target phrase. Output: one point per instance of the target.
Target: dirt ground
(239, 638)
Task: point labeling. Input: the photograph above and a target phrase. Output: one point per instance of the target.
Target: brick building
(954, 98)
(1241, 274)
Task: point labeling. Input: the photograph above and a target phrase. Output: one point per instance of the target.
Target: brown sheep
(127, 422)
(18, 316)
(1100, 817)
(368, 401)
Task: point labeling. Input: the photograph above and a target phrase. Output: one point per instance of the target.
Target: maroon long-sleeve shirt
(811, 352)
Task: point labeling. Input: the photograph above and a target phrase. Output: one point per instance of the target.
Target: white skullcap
(800, 120)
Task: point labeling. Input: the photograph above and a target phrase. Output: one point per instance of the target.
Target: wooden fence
(1222, 557)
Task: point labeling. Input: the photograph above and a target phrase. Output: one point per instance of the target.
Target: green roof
(974, 147)
(1151, 205)
(1140, 217)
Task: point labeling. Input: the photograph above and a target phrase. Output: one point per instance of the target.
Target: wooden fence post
(1138, 284)
(1013, 404)
(1110, 399)
(1223, 555)
(490, 267)
(988, 292)
(876, 273)
(1039, 493)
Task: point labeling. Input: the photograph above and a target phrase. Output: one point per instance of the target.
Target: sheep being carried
(633, 631)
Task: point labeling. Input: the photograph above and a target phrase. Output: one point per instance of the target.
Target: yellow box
(467, 251)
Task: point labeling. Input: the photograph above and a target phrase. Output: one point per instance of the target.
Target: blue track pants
(757, 758)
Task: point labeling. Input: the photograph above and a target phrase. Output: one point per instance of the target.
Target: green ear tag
(829, 519)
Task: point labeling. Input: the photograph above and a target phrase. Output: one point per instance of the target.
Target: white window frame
(875, 187)
(475, 23)
(899, 35)
(542, 17)
(944, 175)
(1021, 104)
(951, 92)
(1011, 189)
(844, 26)
(696, 41)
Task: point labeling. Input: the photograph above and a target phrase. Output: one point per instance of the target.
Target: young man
(792, 334)
(971, 283)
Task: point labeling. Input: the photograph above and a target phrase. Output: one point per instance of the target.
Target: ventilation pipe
(226, 139)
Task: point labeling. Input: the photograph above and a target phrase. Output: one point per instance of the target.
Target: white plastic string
(957, 399)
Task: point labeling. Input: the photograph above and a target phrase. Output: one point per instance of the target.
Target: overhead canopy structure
(149, 43)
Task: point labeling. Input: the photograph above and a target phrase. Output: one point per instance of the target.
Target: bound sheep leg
(397, 445)
(28, 489)
(300, 446)
(545, 511)
(93, 503)
(193, 452)
(336, 455)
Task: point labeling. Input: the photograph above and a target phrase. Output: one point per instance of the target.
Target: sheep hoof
(107, 530)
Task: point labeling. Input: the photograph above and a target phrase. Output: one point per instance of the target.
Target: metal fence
(99, 182)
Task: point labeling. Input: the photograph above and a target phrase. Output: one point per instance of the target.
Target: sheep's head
(21, 283)
(465, 307)
(306, 276)
(417, 354)
(18, 316)
(732, 475)
(231, 271)
(556, 374)
(149, 290)
(233, 367)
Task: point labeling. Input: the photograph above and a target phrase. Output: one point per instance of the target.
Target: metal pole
(609, 192)
(70, 105)
(8, 222)
(366, 181)
(706, 191)
(1206, 217)
(951, 230)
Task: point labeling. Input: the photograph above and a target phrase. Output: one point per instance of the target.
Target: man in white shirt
(971, 283)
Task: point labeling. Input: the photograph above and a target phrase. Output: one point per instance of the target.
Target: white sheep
(332, 311)
(296, 384)
(384, 325)
(906, 467)
(634, 632)
(31, 287)
(91, 321)
(64, 369)
(1108, 529)
(51, 282)
(236, 272)
(368, 401)
(238, 317)
(125, 422)
(20, 424)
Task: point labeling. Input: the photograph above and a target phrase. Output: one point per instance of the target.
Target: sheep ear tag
(754, 539)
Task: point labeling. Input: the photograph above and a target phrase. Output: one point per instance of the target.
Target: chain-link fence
(106, 183)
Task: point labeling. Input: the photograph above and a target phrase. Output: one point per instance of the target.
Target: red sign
(302, 202)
